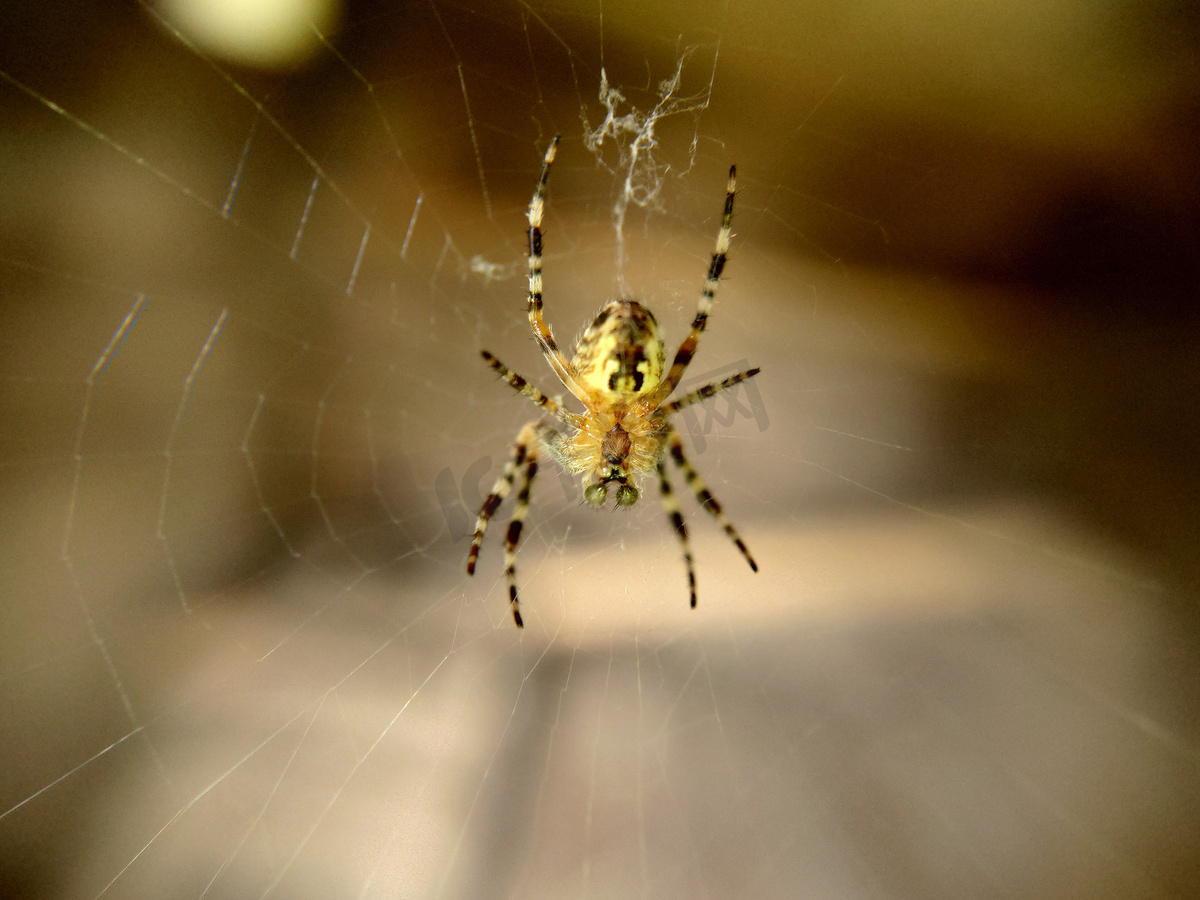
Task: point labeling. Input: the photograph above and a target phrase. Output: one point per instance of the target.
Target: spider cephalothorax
(618, 372)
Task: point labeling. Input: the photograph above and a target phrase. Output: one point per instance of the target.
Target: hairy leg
(672, 508)
(707, 500)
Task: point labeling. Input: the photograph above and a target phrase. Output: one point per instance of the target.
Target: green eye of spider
(596, 494)
(626, 495)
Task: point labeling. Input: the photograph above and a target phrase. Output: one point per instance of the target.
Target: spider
(617, 373)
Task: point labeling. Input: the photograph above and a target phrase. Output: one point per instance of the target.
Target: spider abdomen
(620, 356)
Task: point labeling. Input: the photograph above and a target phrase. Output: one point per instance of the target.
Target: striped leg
(707, 500)
(688, 348)
(541, 331)
(520, 453)
(514, 534)
(672, 508)
(707, 391)
(525, 388)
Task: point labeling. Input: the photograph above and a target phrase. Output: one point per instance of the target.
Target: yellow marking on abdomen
(620, 356)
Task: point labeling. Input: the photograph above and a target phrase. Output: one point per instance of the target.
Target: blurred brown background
(239, 653)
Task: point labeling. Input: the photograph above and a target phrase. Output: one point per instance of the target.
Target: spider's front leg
(671, 505)
(523, 456)
(704, 496)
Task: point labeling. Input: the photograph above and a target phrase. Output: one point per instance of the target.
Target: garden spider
(617, 374)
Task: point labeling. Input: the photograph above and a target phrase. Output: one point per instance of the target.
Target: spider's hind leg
(683, 356)
(537, 322)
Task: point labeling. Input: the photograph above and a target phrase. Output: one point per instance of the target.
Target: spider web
(247, 430)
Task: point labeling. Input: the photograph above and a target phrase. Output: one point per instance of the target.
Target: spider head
(612, 468)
